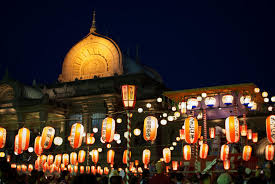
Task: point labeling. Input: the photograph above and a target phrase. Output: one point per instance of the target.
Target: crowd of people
(243, 176)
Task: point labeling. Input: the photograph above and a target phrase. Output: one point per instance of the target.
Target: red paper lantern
(50, 159)
(224, 152)
(108, 129)
(191, 129)
(247, 152)
(76, 135)
(243, 130)
(124, 159)
(203, 151)
(175, 165)
(249, 134)
(269, 152)
(232, 129)
(73, 158)
(30, 167)
(106, 170)
(3, 135)
(212, 133)
(129, 96)
(65, 159)
(146, 154)
(182, 136)
(254, 137)
(81, 156)
(270, 128)
(166, 155)
(37, 146)
(187, 152)
(95, 155)
(226, 164)
(47, 137)
(110, 156)
(150, 128)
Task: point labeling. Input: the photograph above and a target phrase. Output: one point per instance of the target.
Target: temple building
(89, 90)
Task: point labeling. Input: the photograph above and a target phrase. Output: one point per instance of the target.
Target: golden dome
(95, 55)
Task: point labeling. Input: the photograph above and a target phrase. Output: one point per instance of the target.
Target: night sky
(191, 44)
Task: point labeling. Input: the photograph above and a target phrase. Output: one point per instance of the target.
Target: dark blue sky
(190, 43)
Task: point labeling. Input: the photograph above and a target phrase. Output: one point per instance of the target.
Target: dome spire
(93, 28)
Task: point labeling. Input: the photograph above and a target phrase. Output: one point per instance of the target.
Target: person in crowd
(145, 177)
(160, 177)
(116, 180)
(224, 178)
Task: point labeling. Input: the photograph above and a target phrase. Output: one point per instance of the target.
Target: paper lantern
(50, 159)
(43, 159)
(212, 133)
(37, 164)
(23, 138)
(93, 170)
(57, 160)
(175, 165)
(24, 168)
(8, 158)
(106, 170)
(182, 137)
(88, 169)
(124, 159)
(30, 167)
(76, 135)
(243, 130)
(269, 152)
(51, 168)
(73, 158)
(128, 96)
(90, 139)
(227, 99)
(70, 168)
(81, 169)
(81, 156)
(62, 167)
(254, 137)
(166, 155)
(232, 130)
(3, 135)
(136, 162)
(203, 151)
(210, 101)
(249, 134)
(191, 130)
(226, 164)
(47, 137)
(75, 169)
(187, 152)
(65, 159)
(108, 129)
(247, 152)
(150, 128)
(270, 128)
(224, 152)
(146, 154)
(110, 156)
(98, 169)
(18, 168)
(245, 100)
(95, 156)
(37, 146)
(17, 148)
(192, 102)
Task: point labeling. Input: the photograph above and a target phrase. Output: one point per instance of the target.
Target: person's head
(247, 171)
(160, 167)
(84, 178)
(179, 176)
(116, 180)
(224, 178)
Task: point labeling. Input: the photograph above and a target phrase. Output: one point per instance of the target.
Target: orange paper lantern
(88, 169)
(76, 135)
(81, 156)
(13, 166)
(182, 136)
(247, 152)
(65, 159)
(98, 169)
(224, 152)
(37, 146)
(150, 128)
(37, 165)
(212, 133)
(175, 165)
(90, 138)
(232, 129)
(95, 155)
(249, 134)
(108, 129)
(269, 152)
(47, 137)
(43, 159)
(191, 130)
(70, 169)
(270, 128)
(203, 151)
(62, 167)
(3, 135)
(81, 169)
(128, 96)
(93, 170)
(124, 159)
(106, 170)
(24, 138)
(166, 155)
(254, 137)
(110, 156)
(18, 168)
(57, 160)
(17, 147)
(73, 158)
(75, 169)
(243, 130)
(226, 164)
(146, 154)
(50, 159)
(24, 168)
(187, 152)
(30, 167)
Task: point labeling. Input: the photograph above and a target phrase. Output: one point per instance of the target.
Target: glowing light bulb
(164, 115)
(119, 120)
(174, 143)
(170, 118)
(159, 99)
(148, 105)
(137, 132)
(171, 148)
(140, 110)
(174, 108)
(95, 130)
(204, 95)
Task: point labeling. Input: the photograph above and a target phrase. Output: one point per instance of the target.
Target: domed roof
(94, 56)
